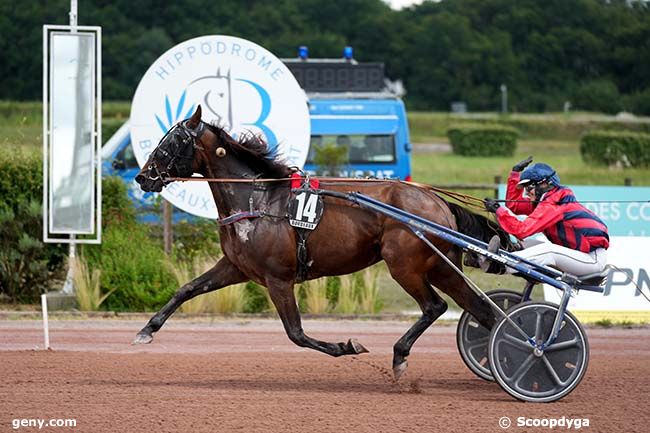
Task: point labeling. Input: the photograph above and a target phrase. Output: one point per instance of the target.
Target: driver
(578, 238)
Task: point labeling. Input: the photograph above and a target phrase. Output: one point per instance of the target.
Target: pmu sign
(626, 211)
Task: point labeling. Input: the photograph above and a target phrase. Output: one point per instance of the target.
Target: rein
(465, 199)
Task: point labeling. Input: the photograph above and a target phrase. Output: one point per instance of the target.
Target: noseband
(178, 152)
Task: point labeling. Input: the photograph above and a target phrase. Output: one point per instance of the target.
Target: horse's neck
(232, 197)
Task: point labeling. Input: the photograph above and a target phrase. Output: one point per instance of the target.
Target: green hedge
(130, 260)
(625, 149)
(482, 140)
(27, 264)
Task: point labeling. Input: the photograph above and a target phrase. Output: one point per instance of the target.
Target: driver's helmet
(538, 173)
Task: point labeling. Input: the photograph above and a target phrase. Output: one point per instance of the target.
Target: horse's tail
(478, 226)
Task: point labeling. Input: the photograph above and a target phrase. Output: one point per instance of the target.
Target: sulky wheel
(472, 338)
(532, 375)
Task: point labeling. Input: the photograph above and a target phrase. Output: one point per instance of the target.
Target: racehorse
(347, 239)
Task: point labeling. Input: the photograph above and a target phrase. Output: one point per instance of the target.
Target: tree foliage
(594, 53)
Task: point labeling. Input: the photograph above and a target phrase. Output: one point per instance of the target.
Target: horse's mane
(253, 151)
(478, 226)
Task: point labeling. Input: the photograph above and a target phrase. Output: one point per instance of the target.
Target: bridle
(178, 152)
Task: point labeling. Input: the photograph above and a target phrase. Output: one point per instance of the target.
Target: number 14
(306, 209)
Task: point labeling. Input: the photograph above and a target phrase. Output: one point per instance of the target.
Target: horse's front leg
(283, 298)
(223, 274)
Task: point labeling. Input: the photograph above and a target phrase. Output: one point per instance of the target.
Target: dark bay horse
(347, 239)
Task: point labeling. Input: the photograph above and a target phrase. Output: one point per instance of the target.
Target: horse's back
(350, 238)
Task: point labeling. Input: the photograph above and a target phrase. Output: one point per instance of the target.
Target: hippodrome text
(218, 48)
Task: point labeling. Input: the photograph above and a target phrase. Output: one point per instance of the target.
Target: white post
(46, 327)
(73, 15)
(68, 286)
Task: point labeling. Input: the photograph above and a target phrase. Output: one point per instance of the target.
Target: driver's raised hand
(521, 165)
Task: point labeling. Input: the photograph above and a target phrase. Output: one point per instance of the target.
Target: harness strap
(302, 255)
(240, 216)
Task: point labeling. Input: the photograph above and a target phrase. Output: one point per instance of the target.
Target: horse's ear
(195, 119)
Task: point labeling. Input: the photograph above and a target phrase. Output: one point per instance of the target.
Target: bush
(21, 180)
(624, 149)
(257, 298)
(330, 158)
(26, 263)
(639, 102)
(482, 140)
(597, 95)
(131, 263)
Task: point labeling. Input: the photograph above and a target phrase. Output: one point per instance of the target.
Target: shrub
(131, 263)
(87, 286)
(482, 140)
(21, 180)
(231, 299)
(346, 302)
(639, 102)
(26, 263)
(369, 302)
(315, 296)
(330, 158)
(257, 298)
(196, 239)
(117, 207)
(624, 149)
(597, 95)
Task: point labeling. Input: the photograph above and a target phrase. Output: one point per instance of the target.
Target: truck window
(361, 148)
(127, 156)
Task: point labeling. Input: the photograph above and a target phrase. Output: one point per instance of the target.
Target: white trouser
(565, 259)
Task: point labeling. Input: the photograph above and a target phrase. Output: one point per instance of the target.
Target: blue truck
(351, 104)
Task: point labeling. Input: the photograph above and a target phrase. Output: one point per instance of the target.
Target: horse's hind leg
(284, 299)
(431, 304)
(451, 283)
(223, 274)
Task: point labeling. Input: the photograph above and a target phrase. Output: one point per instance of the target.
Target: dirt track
(247, 376)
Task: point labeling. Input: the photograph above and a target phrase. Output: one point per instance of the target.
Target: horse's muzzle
(148, 183)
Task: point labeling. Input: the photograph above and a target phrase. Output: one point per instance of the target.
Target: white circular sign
(241, 87)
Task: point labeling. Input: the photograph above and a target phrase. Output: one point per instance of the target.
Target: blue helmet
(538, 173)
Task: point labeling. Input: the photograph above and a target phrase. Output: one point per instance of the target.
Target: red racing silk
(519, 205)
(559, 216)
(297, 181)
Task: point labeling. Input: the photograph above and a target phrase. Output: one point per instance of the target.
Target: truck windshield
(361, 148)
(127, 156)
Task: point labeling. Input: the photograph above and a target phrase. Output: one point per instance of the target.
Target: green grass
(554, 126)
(564, 156)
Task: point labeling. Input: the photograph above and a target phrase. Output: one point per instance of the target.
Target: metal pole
(504, 98)
(73, 15)
(68, 286)
(167, 227)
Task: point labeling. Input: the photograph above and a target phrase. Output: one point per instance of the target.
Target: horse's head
(193, 146)
(175, 155)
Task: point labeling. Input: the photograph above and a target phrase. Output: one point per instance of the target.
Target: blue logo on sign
(179, 108)
(217, 99)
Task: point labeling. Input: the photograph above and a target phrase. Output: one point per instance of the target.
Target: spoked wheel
(538, 376)
(472, 338)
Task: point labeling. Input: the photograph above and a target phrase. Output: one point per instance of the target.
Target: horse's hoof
(142, 339)
(356, 346)
(399, 369)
